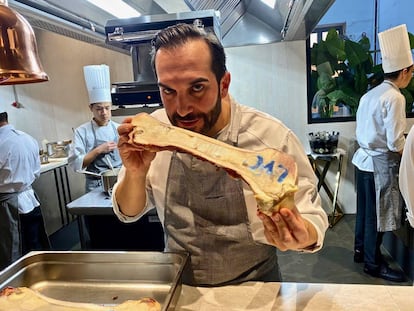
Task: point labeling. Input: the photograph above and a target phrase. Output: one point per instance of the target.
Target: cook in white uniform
(21, 222)
(380, 126)
(204, 211)
(95, 142)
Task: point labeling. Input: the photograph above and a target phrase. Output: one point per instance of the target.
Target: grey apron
(10, 246)
(100, 164)
(389, 201)
(206, 216)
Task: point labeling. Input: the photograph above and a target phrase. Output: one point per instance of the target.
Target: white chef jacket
(257, 131)
(406, 176)
(85, 138)
(380, 125)
(19, 166)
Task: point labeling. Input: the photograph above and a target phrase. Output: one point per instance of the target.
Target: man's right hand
(134, 157)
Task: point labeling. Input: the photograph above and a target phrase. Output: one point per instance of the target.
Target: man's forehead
(102, 105)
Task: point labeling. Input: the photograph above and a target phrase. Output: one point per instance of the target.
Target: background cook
(95, 142)
(380, 126)
(21, 222)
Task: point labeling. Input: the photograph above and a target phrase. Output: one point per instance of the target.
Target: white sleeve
(77, 151)
(407, 175)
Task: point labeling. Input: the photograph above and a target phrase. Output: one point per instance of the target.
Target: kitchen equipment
(105, 278)
(109, 179)
(58, 149)
(89, 173)
(44, 158)
(323, 142)
(108, 160)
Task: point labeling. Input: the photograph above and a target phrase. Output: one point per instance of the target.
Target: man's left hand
(288, 230)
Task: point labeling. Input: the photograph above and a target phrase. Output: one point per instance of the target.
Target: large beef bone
(271, 174)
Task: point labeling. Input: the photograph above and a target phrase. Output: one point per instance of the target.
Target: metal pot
(58, 149)
(109, 179)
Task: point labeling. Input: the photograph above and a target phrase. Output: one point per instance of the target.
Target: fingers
(276, 231)
(284, 229)
(124, 129)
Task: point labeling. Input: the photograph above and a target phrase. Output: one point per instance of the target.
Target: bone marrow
(271, 174)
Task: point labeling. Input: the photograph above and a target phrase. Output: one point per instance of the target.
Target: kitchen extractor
(136, 34)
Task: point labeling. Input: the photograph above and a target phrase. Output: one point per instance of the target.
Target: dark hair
(3, 117)
(394, 75)
(179, 34)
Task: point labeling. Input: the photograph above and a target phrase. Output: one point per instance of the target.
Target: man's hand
(134, 157)
(287, 230)
(107, 147)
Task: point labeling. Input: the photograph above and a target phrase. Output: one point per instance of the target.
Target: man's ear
(225, 84)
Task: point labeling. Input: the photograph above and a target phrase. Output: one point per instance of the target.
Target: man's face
(101, 112)
(189, 90)
(407, 76)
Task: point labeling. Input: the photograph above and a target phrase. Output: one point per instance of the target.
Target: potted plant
(342, 71)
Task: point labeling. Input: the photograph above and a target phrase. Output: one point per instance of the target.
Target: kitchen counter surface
(53, 164)
(96, 202)
(297, 296)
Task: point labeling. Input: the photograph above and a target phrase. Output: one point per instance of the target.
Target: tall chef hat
(395, 49)
(98, 83)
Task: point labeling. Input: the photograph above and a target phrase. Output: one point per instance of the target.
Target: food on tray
(271, 174)
(23, 298)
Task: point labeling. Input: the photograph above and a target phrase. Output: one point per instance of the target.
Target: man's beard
(209, 119)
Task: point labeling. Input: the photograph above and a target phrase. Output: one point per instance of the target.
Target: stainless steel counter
(54, 191)
(53, 164)
(96, 202)
(107, 232)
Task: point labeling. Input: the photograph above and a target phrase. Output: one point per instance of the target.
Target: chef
(94, 146)
(380, 126)
(21, 222)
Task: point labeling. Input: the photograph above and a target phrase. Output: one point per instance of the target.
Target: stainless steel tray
(106, 278)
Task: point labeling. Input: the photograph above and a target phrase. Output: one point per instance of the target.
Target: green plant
(342, 71)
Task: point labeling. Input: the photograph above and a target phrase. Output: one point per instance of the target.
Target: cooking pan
(108, 178)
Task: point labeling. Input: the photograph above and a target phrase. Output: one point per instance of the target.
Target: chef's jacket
(380, 125)
(19, 166)
(257, 131)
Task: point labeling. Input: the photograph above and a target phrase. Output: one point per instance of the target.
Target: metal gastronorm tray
(106, 278)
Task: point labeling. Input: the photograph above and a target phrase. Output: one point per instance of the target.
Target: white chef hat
(98, 83)
(395, 49)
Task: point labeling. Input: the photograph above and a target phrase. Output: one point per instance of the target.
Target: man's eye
(167, 91)
(198, 87)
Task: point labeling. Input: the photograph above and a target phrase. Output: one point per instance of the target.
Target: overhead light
(117, 8)
(270, 3)
(19, 60)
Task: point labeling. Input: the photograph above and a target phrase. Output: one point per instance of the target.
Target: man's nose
(184, 106)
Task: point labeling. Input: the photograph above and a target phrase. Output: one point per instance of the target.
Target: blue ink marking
(268, 168)
(284, 174)
(258, 164)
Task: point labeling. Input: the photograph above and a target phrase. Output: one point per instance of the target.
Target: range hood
(240, 23)
(136, 34)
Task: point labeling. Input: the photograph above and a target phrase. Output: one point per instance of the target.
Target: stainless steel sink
(106, 278)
